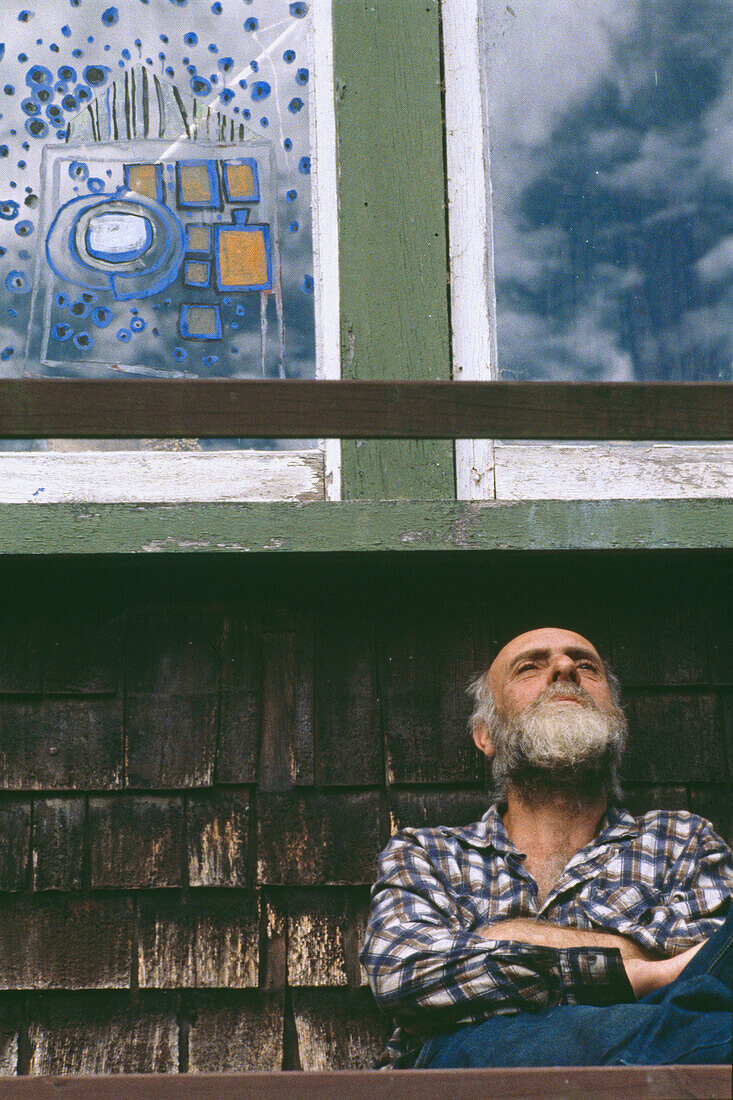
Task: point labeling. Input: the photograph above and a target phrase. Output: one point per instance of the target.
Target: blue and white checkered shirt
(663, 879)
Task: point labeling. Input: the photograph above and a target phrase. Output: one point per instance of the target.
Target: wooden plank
(236, 1033)
(325, 527)
(216, 836)
(612, 471)
(65, 942)
(286, 748)
(241, 697)
(83, 633)
(136, 841)
(69, 408)
(392, 237)
(22, 628)
(566, 1083)
(313, 839)
(88, 1035)
(172, 673)
(15, 836)
(426, 661)
(58, 843)
(61, 744)
(349, 741)
(8, 1041)
(339, 1030)
(149, 476)
(209, 941)
(673, 738)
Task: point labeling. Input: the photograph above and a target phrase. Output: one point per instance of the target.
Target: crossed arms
(432, 962)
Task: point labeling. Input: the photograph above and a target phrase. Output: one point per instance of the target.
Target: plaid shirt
(662, 879)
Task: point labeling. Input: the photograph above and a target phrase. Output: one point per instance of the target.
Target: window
(159, 162)
(591, 219)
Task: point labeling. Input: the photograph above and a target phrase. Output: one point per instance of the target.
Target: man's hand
(543, 933)
(646, 977)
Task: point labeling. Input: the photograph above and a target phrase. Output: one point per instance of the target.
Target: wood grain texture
(286, 746)
(58, 843)
(426, 662)
(430, 808)
(136, 841)
(150, 476)
(612, 471)
(173, 673)
(396, 410)
(356, 526)
(15, 836)
(209, 941)
(349, 740)
(216, 835)
(8, 1042)
(93, 1036)
(573, 1083)
(83, 634)
(392, 240)
(315, 838)
(673, 738)
(65, 943)
(241, 696)
(22, 630)
(61, 744)
(338, 1030)
(236, 1033)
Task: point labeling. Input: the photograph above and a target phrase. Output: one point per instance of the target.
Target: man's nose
(563, 668)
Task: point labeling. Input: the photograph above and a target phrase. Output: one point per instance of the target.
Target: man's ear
(482, 739)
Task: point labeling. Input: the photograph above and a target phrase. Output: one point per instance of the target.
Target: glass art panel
(155, 206)
(611, 133)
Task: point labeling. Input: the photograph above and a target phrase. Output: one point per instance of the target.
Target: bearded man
(559, 929)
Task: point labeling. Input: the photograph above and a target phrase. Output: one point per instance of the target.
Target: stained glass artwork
(155, 205)
(610, 138)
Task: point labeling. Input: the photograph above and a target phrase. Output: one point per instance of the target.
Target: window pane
(155, 190)
(611, 148)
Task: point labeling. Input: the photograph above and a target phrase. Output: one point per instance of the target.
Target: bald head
(532, 662)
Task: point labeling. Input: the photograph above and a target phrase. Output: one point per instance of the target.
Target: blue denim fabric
(685, 1023)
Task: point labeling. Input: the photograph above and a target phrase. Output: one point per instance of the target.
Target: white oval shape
(118, 237)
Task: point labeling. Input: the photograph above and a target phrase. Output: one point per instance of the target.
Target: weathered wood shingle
(58, 842)
(61, 744)
(65, 942)
(315, 838)
(136, 841)
(173, 669)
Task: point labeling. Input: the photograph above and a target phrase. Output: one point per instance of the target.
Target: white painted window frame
(506, 470)
(168, 474)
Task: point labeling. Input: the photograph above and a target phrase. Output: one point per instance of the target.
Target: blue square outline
(183, 322)
(255, 196)
(213, 203)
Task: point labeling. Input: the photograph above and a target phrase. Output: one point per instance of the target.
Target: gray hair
(485, 712)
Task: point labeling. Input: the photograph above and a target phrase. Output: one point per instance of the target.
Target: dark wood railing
(611, 1083)
(66, 408)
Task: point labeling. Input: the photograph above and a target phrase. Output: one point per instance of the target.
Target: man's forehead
(552, 638)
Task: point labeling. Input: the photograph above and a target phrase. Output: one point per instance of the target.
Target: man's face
(555, 720)
(535, 661)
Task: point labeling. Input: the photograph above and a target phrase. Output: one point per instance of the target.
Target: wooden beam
(570, 1083)
(72, 408)
(358, 526)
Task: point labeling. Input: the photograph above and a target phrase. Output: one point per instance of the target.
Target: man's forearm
(542, 933)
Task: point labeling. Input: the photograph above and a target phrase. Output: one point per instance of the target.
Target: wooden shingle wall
(200, 760)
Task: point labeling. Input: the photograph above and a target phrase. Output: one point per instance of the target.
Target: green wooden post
(392, 229)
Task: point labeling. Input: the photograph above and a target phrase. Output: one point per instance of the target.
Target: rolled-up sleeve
(427, 962)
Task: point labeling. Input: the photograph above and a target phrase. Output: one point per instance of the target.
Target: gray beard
(556, 747)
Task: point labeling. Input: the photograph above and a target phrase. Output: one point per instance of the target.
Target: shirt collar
(489, 832)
